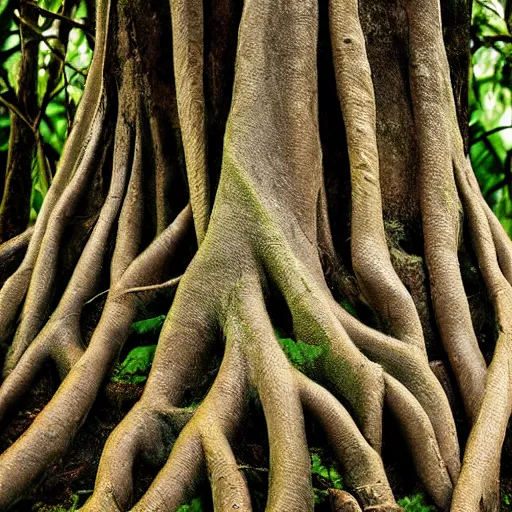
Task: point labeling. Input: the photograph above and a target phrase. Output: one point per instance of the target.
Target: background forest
(64, 32)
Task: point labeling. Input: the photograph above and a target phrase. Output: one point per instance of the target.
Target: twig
(56, 16)
(15, 109)
(45, 40)
(480, 138)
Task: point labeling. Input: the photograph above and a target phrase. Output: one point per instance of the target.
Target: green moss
(415, 503)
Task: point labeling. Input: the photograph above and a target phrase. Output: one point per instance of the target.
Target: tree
(342, 126)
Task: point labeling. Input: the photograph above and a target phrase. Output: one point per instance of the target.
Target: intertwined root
(254, 363)
(262, 234)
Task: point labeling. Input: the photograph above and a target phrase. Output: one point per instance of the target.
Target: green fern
(194, 506)
(415, 503)
(301, 355)
(328, 475)
(135, 368)
(149, 325)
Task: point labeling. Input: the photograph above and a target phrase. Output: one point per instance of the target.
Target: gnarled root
(217, 291)
(263, 235)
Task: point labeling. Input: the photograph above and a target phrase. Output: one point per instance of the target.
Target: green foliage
(301, 355)
(194, 506)
(490, 105)
(62, 69)
(327, 476)
(41, 507)
(135, 368)
(150, 325)
(506, 501)
(345, 304)
(415, 503)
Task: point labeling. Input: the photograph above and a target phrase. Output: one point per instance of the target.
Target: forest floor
(68, 484)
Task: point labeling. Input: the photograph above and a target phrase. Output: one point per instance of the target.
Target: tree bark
(17, 187)
(338, 110)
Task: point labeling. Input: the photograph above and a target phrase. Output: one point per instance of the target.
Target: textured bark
(17, 186)
(333, 100)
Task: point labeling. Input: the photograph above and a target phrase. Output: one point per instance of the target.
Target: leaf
(37, 200)
(148, 325)
(194, 506)
(328, 475)
(301, 355)
(415, 503)
(135, 367)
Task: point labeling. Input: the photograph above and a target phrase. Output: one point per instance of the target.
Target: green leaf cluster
(62, 69)
(490, 105)
(194, 506)
(75, 503)
(150, 325)
(328, 475)
(506, 501)
(415, 503)
(301, 355)
(135, 368)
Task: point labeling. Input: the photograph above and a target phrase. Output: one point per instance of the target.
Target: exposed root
(478, 486)
(342, 501)
(188, 43)
(421, 439)
(370, 255)
(82, 284)
(359, 462)
(81, 151)
(12, 253)
(54, 428)
(13, 247)
(436, 126)
(261, 235)
(441, 146)
(253, 360)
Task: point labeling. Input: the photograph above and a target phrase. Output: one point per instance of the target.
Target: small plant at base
(194, 506)
(135, 368)
(327, 475)
(301, 355)
(415, 503)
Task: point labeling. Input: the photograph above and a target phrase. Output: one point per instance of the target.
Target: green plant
(41, 507)
(135, 368)
(326, 475)
(415, 503)
(301, 355)
(149, 325)
(506, 501)
(194, 506)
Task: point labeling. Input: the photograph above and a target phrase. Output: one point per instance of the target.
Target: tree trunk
(17, 186)
(342, 179)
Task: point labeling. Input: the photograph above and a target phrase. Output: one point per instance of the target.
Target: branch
(56, 16)
(16, 111)
(485, 135)
(45, 40)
